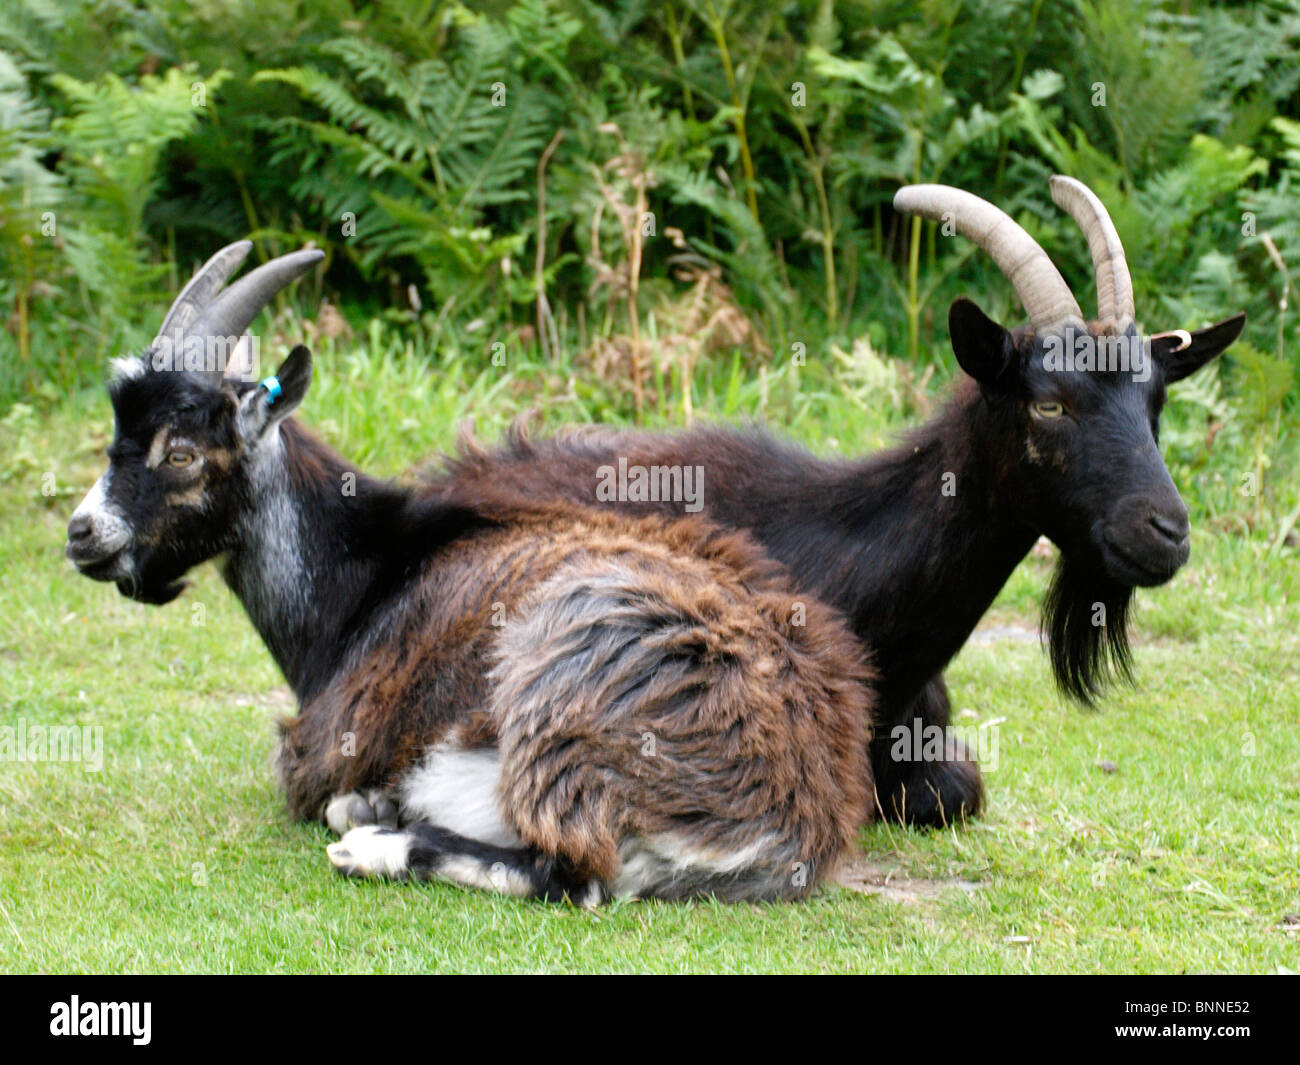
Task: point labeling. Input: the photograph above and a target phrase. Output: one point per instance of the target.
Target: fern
(112, 145)
(115, 137)
(1275, 207)
(1243, 49)
(750, 259)
(435, 140)
(27, 187)
(30, 196)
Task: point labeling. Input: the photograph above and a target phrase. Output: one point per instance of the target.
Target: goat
(568, 702)
(914, 543)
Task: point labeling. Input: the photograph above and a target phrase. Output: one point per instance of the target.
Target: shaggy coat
(564, 700)
(643, 684)
(914, 543)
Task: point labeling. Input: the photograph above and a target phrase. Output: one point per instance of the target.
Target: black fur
(914, 543)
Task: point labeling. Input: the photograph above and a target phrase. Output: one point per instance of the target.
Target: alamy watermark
(233, 356)
(77, 1018)
(53, 743)
(651, 484)
(918, 742)
(1079, 351)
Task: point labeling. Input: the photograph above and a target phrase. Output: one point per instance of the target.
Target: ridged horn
(231, 312)
(1040, 286)
(202, 287)
(1115, 307)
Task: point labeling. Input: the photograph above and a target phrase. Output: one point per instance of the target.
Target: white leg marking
(475, 873)
(370, 851)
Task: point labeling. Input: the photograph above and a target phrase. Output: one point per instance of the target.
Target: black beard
(154, 595)
(1087, 658)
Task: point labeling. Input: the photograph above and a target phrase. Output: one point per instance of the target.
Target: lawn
(1161, 834)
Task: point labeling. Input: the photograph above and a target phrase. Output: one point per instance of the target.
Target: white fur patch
(649, 863)
(457, 790)
(125, 368)
(371, 851)
(108, 528)
(473, 872)
(273, 573)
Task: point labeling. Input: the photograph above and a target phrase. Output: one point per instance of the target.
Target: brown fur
(757, 725)
(666, 716)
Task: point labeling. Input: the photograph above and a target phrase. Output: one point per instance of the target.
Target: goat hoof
(337, 812)
(384, 808)
(353, 810)
(938, 794)
(360, 812)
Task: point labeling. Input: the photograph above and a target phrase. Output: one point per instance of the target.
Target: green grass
(177, 855)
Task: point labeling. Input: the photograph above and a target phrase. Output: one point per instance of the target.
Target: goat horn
(1115, 307)
(232, 311)
(202, 287)
(1037, 282)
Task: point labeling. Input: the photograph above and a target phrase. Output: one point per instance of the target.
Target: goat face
(1076, 411)
(186, 453)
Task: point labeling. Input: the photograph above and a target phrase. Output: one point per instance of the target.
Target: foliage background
(714, 204)
(764, 141)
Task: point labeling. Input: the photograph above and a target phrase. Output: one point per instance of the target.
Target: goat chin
(154, 596)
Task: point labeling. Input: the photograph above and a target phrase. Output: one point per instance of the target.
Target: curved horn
(1037, 282)
(232, 311)
(202, 287)
(1115, 306)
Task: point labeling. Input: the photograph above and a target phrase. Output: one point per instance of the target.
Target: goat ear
(294, 375)
(277, 396)
(1178, 363)
(983, 348)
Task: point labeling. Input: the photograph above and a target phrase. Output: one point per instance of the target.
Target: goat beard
(1085, 620)
(153, 595)
(149, 582)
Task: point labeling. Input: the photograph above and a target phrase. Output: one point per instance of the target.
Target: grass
(1159, 835)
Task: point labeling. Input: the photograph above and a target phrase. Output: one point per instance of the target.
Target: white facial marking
(457, 790)
(108, 528)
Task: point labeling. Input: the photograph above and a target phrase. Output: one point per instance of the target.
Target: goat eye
(1047, 410)
(178, 460)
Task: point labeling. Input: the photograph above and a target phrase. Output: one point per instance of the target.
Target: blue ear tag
(273, 389)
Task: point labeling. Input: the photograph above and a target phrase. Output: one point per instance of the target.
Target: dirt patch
(874, 876)
(1011, 633)
(277, 698)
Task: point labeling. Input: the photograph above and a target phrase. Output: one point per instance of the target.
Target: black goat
(567, 701)
(1053, 432)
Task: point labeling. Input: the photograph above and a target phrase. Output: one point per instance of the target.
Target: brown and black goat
(1052, 432)
(564, 700)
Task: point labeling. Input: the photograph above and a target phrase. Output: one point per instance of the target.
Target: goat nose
(1174, 527)
(79, 528)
